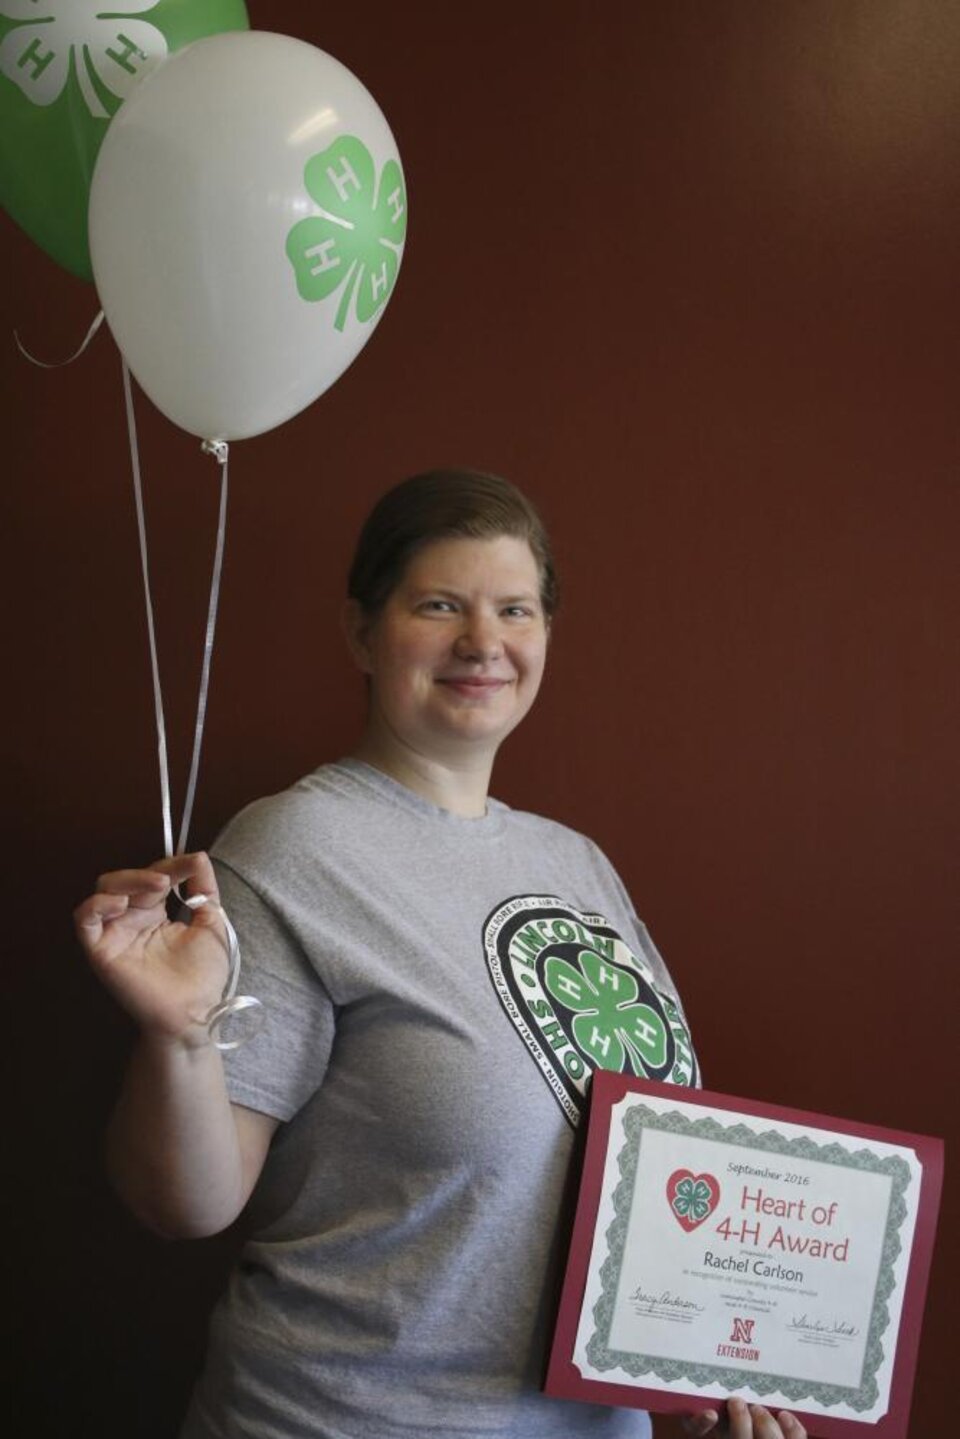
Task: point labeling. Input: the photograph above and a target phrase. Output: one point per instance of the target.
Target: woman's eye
(518, 612)
(438, 606)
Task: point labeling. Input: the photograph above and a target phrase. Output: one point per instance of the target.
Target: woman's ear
(356, 625)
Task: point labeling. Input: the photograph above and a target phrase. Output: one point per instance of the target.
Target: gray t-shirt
(438, 990)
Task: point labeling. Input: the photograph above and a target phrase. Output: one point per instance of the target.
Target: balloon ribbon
(56, 364)
(230, 1003)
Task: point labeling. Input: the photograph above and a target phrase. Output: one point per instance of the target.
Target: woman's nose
(478, 640)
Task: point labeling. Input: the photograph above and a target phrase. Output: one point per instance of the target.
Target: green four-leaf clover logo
(356, 242)
(692, 1199)
(106, 52)
(609, 1025)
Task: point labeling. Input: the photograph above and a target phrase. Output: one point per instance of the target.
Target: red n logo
(742, 1331)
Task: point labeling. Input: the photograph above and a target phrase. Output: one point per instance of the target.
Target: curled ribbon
(56, 364)
(231, 1004)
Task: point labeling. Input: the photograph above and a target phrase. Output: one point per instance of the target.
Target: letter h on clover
(95, 42)
(609, 1025)
(356, 241)
(692, 1199)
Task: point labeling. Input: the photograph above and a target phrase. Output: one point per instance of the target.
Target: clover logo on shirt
(581, 998)
(107, 52)
(609, 1025)
(355, 243)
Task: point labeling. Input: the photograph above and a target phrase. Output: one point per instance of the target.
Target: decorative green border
(602, 1357)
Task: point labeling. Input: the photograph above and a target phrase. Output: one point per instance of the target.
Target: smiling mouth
(469, 685)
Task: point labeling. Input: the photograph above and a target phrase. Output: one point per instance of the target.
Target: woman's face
(456, 655)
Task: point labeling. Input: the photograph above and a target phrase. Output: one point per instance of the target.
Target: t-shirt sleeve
(277, 1070)
(644, 939)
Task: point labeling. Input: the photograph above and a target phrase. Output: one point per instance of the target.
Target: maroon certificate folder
(727, 1247)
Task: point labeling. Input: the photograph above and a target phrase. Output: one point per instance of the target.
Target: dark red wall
(686, 270)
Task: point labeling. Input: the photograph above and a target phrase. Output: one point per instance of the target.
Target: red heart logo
(692, 1197)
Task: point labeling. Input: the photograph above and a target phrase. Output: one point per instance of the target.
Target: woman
(404, 1122)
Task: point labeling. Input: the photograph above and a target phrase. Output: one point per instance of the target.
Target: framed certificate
(724, 1247)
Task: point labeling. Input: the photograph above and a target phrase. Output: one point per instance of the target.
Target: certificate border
(640, 1118)
(564, 1379)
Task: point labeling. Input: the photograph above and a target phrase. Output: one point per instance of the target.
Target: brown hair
(443, 504)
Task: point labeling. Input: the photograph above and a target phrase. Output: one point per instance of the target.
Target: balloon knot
(218, 448)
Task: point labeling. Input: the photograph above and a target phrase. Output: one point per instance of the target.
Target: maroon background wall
(687, 272)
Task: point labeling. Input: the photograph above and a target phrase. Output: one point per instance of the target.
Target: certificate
(725, 1247)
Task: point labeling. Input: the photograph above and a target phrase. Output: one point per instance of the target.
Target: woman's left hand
(745, 1421)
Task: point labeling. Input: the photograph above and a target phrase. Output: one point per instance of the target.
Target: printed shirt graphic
(582, 999)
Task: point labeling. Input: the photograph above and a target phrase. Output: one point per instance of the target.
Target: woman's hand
(167, 975)
(182, 1157)
(745, 1421)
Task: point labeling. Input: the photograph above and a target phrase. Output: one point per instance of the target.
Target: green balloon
(66, 67)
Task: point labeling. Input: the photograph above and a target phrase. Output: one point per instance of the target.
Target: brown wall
(687, 271)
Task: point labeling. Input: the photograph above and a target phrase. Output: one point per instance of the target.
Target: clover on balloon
(107, 52)
(355, 242)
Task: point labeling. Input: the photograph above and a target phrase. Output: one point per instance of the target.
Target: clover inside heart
(692, 1197)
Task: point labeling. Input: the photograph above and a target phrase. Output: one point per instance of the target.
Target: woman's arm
(180, 1154)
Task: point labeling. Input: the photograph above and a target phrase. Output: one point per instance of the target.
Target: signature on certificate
(664, 1302)
(822, 1326)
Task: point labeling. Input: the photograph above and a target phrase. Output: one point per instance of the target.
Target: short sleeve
(649, 950)
(277, 1070)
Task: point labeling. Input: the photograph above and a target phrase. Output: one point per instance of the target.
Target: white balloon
(232, 312)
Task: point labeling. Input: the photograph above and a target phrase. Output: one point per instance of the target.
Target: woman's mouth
(473, 686)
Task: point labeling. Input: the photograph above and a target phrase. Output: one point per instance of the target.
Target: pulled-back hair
(439, 505)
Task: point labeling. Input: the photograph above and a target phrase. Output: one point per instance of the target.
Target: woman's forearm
(173, 1149)
(180, 1155)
